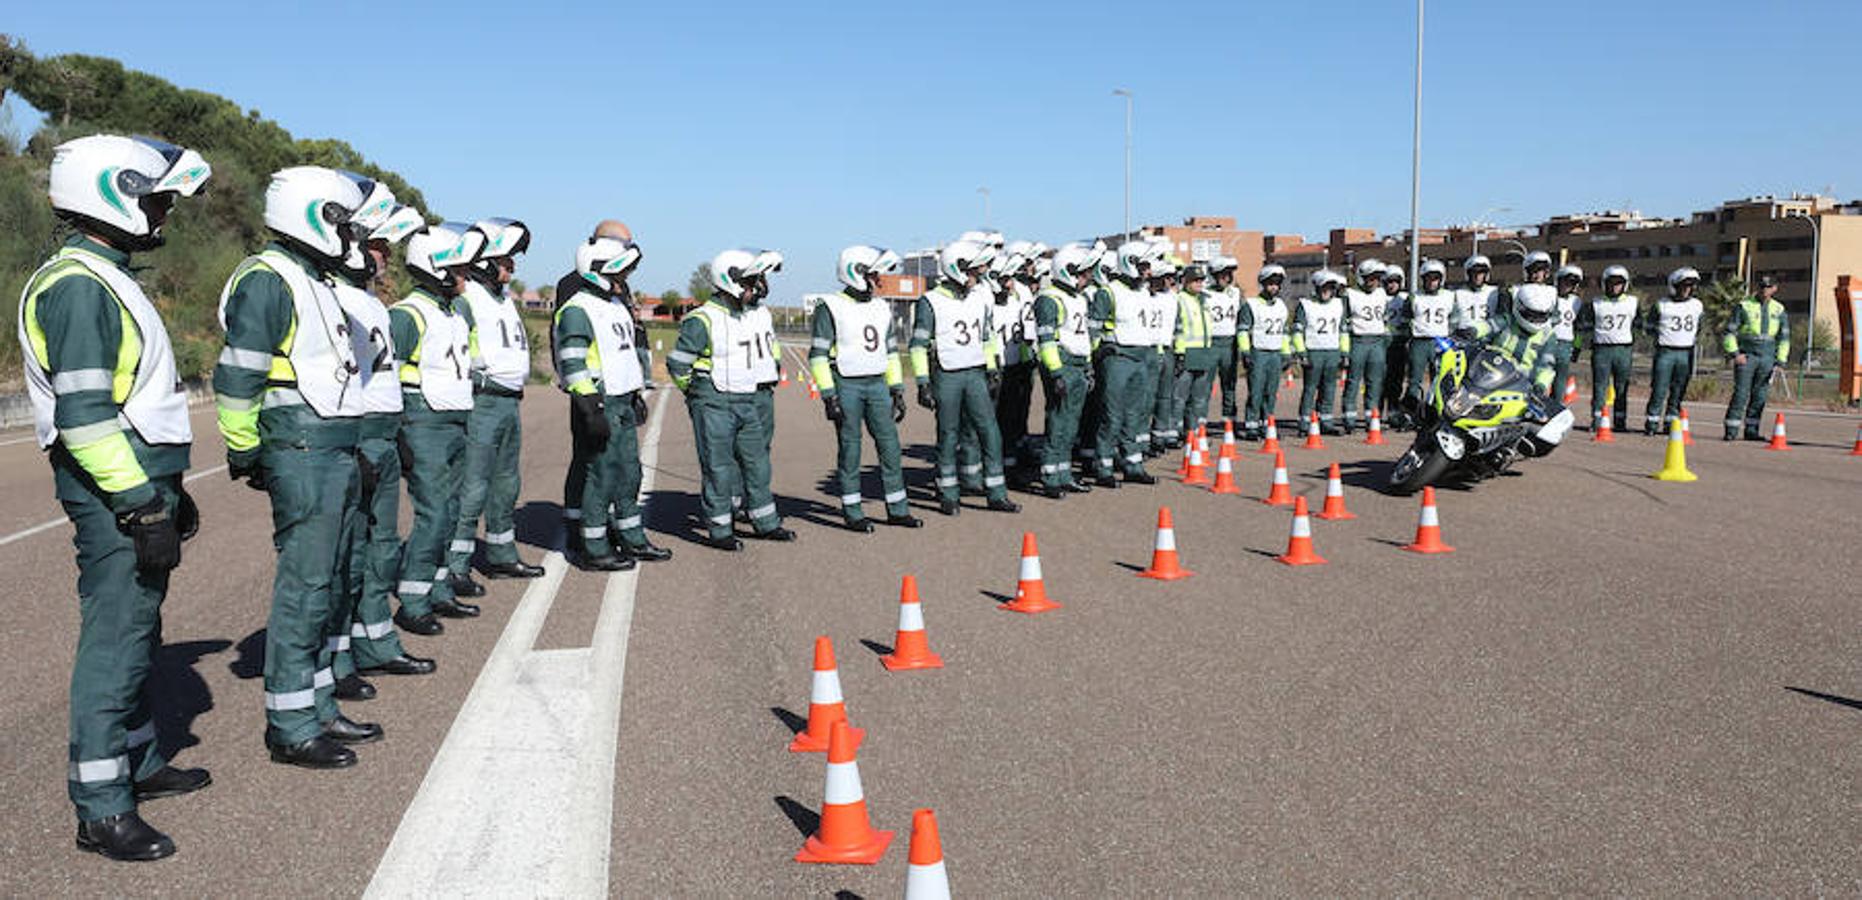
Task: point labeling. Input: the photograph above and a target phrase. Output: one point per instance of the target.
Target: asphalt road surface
(1613, 686)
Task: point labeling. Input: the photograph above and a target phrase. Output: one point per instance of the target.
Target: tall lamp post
(1810, 321)
(1415, 162)
(1122, 92)
(1478, 224)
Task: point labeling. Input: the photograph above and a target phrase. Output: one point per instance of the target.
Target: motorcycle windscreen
(1492, 371)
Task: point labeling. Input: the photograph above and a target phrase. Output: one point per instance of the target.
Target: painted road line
(54, 523)
(522, 788)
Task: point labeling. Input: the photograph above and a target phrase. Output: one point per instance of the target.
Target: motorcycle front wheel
(1417, 468)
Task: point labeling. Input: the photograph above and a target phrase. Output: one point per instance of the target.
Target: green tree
(518, 286)
(548, 293)
(700, 284)
(1717, 301)
(13, 57)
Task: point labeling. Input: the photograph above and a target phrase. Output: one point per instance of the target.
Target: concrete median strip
(522, 788)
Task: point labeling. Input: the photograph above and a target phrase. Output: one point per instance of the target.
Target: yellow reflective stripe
(281, 369)
(581, 384)
(1050, 356)
(824, 373)
(895, 372)
(128, 354)
(110, 461)
(128, 351)
(239, 426)
(79, 435)
(992, 353)
(921, 362)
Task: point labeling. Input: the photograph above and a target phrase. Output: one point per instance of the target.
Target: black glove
(245, 465)
(405, 452)
(640, 409)
(1247, 364)
(594, 422)
(1057, 385)
(158, 542)
(994, 382)
(831, 403)
(926, 398)
(187, 515)
(898, 405)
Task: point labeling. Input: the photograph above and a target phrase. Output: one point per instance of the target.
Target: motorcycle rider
(1015, 327)
(1320, 344)
(1524, 330)
(1675, 326)
(1368, 307)
(1609, 323)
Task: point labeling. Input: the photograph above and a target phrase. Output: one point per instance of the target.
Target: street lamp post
(1481, 222)
(1810, 321)
(1122, 92)
(1415, 161)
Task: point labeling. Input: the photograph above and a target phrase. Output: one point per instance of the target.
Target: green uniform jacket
(1756, 325)
(924, 331)
(822, 342)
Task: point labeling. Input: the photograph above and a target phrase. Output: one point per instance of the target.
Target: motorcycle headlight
(1484, 411)
(1461, 404)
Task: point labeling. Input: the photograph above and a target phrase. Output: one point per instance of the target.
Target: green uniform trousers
(1191, 405)
(1143, 399)
(375, 553)
(610, 501)
(1121, 376)
(433, 445)
(1609, 367)
(1396, 366)
(315, 491)
(963, 405)
(1561, 365)
(1316, 380)
(1751, 388)
(112, 731)
(1421, 360)
(730, 435)
(866, 402)
(1063, 421)
(1668, 379)
(1264, 369)
(1364, 379)
(1165, 414)
(1012, 405)
(1227, 371)
(494, 443)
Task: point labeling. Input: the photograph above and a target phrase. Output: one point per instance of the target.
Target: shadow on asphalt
(539, 524)
(184, 693)
(997, 596)
(1828, 698)
(250, 663)
(796, 724)
(806, 820)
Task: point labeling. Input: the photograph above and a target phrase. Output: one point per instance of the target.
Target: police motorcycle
(1483, 415)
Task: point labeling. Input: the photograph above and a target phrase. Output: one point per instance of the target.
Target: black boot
(354, 687)
(1074, 487)
(778, 534)
(319, 752)
(728, 543)
(519, 569)
(608, 563)
(947, 507)
(1140, 477)
(905, 521)
(453, 609)
(1108, 482)
(1051, 491)
(646, 552)
(1005, 505)
(124, 837)
(863, 526)
(169, 781)
(423, 625)
(344, 730)
(402, 665)
(464, 586)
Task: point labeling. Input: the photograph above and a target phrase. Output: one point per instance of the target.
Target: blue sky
(808, 126)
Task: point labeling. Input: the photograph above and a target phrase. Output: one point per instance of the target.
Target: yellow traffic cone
(1674, 462)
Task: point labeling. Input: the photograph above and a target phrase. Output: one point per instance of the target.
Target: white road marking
(54, 523)
(519, 800)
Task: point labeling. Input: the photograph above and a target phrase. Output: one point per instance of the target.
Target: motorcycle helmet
(1533, 305)
(1073, 265)
(743, 274)
(1618, 273)
(1432, 267)
(312, 209)
(859, 262)
(1370, 271)
(434, 252)
(1536, 259)
(1685, 273)
(122, 187)
(605, 261)
(959, 260)
(1573, 273)
(1136, 258)
(1271, 272)
(1476, 261)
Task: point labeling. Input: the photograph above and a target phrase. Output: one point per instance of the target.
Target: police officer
(724, 357)
(1223, 300)
(494, 430)
(109, 409)
(1320, 345)
(290, 409)
(1523, 331)
(954, 360)
(1397, 358)
(580, 453)
(1568, 281)
(1609, 323)
(1161, 418)
(1119, 312)
(1675, 326)
(1015, 328)
(1475, 300)
(1431, 313)
(855, 363)
(1368, 307)
(1066, 358)
(1260, 335)
(1758, 338)
(1193, 353)
(435, 341)
(371, 644)
(595, 342)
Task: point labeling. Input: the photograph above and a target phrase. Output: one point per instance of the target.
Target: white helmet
(1536, 258)
(1533, 305)
(1476, 261)
(433, 251)
(503, 237)
(991, 239)
(1223, 264)
(1568, 271)
(1019, 253)
(405, 220)
(604, 261)
(957, 260)
(1133, 254)
(1166, 265)
(313, 209)
(114, 183)
(1685, 273)
(1370, 270)
(1324, 277)
(1043, 268)
(1619, 272)
(1432, 267)
(375, 211)
(1393, 273)
(858, 261)
(1270, 272)
(735, 273)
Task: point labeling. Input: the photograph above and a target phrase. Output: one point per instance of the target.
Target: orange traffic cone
(1602, 433)
(825, 706)
(1571, 390)
(910, 648)
(1030, 591)
(1313, 440)
(1687, 429)
(924, 871)
(1299, 546)
(1228, 439)
(1272, 444)
(845, 835)
(1164, 564)
(1225, 475)
(1778, 441)
(1334, 509)
(1428, 528)
(1289, 378)
(1281, 493)
(1375, 436)
(1194, 472)
(813, 394)
(1857, 450)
